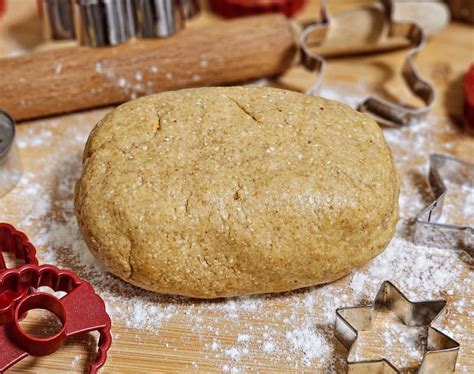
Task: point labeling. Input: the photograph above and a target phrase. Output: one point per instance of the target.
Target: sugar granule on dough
(296, 323)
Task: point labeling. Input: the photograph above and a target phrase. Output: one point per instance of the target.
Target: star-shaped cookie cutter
(428, 231)
(385, 112)
(441, 351)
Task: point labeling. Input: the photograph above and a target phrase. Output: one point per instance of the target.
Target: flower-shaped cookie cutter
(384, 112)
(428, 231)
(17, 244)
(441, 351)
(80, 311)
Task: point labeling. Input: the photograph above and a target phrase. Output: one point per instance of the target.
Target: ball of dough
(217, 192)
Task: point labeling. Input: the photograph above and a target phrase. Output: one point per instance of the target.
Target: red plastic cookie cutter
(239, 8)
(17, 243)
(81, 310)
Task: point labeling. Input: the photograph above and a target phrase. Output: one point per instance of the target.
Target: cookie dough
(216, 192)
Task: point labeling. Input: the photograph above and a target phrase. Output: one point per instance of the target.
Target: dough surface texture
(217, 192)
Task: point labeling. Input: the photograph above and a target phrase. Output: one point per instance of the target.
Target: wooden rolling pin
(75, 78)
(69, 79)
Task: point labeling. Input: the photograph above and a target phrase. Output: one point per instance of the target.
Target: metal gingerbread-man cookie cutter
(384, 112)
(428, 231)
(441, 351)
(80, 311)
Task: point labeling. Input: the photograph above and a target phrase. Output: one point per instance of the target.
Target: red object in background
(469, 97)
(3, 6)
(239, 8)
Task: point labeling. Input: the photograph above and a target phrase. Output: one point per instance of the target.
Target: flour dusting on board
(293, 330)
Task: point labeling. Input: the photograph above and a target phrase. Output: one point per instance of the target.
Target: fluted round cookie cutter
(10, 165)
(383, 111)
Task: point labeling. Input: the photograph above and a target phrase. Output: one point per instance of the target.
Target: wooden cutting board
(291, 332)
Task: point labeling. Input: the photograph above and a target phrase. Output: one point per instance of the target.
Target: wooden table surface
(291, 332)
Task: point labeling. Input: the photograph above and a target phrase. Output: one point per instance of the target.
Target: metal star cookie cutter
(441, 351)
(383, 111)
(428, 231)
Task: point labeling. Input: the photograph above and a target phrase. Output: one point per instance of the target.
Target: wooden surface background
(444, 61)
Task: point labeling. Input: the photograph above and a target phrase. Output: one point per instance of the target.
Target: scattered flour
(58, 68)
(75, 361)
(458, 203)
(243, 338)
(268, 347)
(390, 335)
(293, 330)
(139, 82)
(312, 344)
(36, 140)
(203, 62)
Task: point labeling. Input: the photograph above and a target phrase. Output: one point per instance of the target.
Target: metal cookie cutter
(10, 166)
(160, 18)
(104, 22)
(14, 242)
(111, 22)
(384, 112)
(441, 351)
(191, 8)
(81, 310)
(427, 231)
(58, 22)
